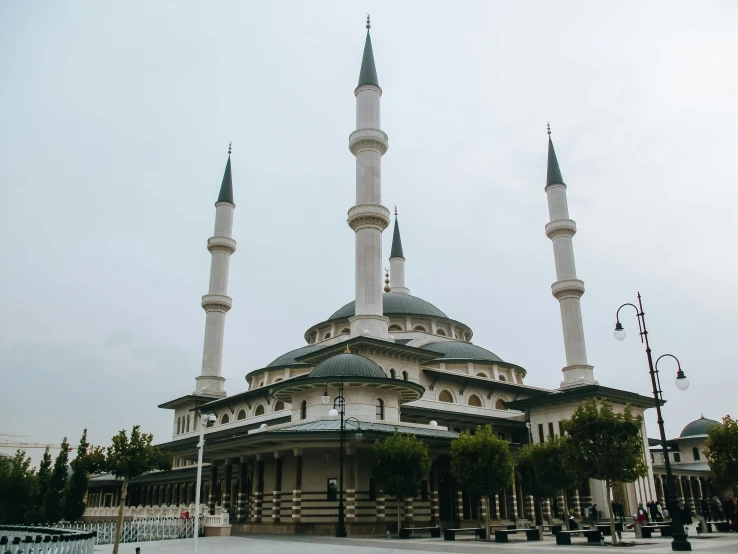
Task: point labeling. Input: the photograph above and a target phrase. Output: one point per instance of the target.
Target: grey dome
(348, 365)
(698, 427)
(456, 350)
(395, 303)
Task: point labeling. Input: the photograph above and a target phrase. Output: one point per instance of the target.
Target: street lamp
(339, 408)
(680, 542)
(204, 419)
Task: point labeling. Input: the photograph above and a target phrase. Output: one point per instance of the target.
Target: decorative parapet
(368, 215)
(571, 288)
(561, 228)
(368, 139)
(221, 244)
(216, 303)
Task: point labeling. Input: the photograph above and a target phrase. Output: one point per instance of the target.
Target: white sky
(114, 126)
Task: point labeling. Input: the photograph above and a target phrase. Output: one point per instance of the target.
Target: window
(404, 375)
(380, 409)
(345, 331)
(482, 374)
(326, 336)
(550, 429)
(420, 328)
(261, 384)
(332, 488)
(303, 409)
(393, 374)
(225, 419)
(259, 410)
(445, 396)
(188, 424)
(500, 404)
(503, 378)
(696, 454)
(677, 457)
(278, 405)
(394, 327)
(241, 415)
(440, 332)
(474, 400)
(541, 436)
(179, 423)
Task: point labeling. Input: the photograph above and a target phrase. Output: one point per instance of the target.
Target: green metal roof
(368, 75)
(290, 358)
(396, 242)
(457, 350)
(553, 175)
(348, 365)
(226, 188)
(698, 427)
(394, 303)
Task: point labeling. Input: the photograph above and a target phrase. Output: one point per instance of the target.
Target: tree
(87, 462)
(548, 467)
(42, 485)
(54, 496)
(606, 446)
(17, 488)
(722, 453)
(130, 457)
(401, 463)
(482, 463)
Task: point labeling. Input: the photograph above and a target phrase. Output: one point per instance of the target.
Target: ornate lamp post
(204, 419)
(680, 542)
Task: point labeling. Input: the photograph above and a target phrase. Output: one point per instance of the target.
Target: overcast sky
(114, 128)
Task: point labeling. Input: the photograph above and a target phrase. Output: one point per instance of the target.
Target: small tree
(722, 453)
(606, 446)
(17, 488)
(54, 496)
(42, 485)
(401, 463)
(548, 468)
(482, 463)
(130, 457)
(87, 462)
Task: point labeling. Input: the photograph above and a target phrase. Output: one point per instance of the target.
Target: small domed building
(388, 360)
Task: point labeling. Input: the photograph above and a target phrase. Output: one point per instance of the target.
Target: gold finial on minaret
(386, 280)
(229, 147)
(368, 22)
(548, 129)
(348, 350)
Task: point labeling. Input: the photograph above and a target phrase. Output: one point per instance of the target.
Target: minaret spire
(368, 218)
(397, 261)
(567, 289)
(217, 302)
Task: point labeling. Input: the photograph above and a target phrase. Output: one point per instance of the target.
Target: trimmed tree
(87, 462)
(401, 463)
(17, 489)
(482, 463)
(606, 446)
(128, 458)
(42, 484)
(54, 496)
(722, 453)
(548, 468)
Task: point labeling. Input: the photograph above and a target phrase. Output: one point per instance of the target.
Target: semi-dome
(698, 427)
(456, 350)
(348, 365)
(394, 303)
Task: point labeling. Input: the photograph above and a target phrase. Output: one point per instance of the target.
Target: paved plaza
(713, 543)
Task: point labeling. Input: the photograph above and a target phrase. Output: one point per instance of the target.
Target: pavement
(716, 543)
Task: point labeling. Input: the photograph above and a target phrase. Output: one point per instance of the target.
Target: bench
(593, 535)
(503, 535)
(605, 528)
(554, 527)
(646, 530)
(450, 534)
(408, 532)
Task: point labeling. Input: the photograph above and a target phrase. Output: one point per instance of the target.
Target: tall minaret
(216, 302)
(368, 218)
(567, 289)
(397, 262)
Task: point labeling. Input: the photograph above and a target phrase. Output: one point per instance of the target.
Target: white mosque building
(272, 456)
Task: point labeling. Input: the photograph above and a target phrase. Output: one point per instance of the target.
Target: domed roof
(348, 365)
(698, 427)
(395, 303)
(289, 358)
(461, 350)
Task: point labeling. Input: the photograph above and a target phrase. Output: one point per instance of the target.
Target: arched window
(474, 400)
(188, 424)
(394, 327)
(303, 409)
(482, 374)
(500, 405)
(327, 336)
(225, 419)
(259, 410)
(503, 378)
(467, 336)
(380, 409)
(404, 375)
(209, 423)
(445, 396)
(440, 332)
(696, 454)
(241, 415)
(278, 405)
(179, 423)
(345, 331)
(278, 379)
(420, 328)
(393, 374)
(261, 384)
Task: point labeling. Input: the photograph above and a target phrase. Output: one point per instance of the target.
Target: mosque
(390, 361)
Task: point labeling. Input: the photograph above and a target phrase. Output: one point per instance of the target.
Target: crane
(23, 445)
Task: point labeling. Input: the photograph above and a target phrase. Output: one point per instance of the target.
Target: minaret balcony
(221, 244)
(368, 215)
(570, 288)
(561, 228)
(216, 303)
(368, 139)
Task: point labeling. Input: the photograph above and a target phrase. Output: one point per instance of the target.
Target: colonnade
(691, 490)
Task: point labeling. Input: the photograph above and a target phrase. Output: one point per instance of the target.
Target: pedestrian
(653, 511)
(686, 516)
(593, 513)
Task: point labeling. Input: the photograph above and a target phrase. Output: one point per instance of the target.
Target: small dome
(394, 303)
(456, 350)
(348, 365)
(698, 427)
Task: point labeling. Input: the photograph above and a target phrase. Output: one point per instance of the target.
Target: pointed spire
(553, 175)
(226, 188)
(396, 251)
(368, 75)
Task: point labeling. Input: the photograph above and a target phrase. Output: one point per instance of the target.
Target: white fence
(172, 510)
(140, 530)
(21, 539)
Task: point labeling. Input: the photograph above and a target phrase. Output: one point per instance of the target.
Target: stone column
(690, 491)
(460, 505)
(577, 505)
(243, 480)
(350, 487)
(483, 508)
(497, 506)
(435, 508)
(514, 500)
(213, 487)
(381, 513)
(227, 491)
(547, 510)
(681, 488)
(531, 507)
(259, 492)
(297, 490)
(409, 515)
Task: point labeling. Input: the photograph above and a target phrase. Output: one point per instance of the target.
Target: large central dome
(394, 303)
